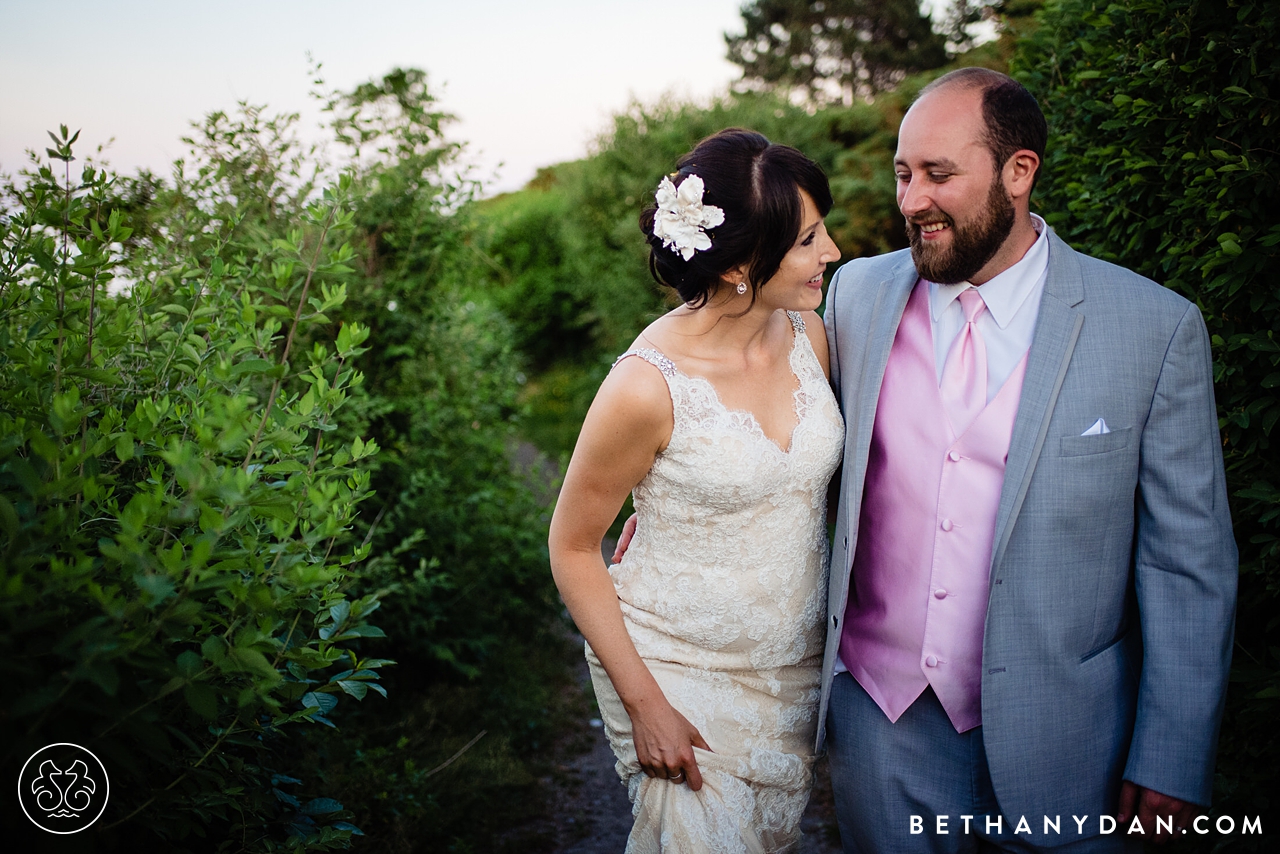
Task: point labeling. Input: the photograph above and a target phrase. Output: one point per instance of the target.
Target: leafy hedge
(240, 412)
(175, 513)
(1164, 118)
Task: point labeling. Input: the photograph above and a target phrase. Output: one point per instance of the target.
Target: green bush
(456, 537)
(459, 537)
(175, 513)
(1162, 157)
(203, 346)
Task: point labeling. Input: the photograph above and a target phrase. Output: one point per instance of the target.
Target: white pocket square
(1098, 429)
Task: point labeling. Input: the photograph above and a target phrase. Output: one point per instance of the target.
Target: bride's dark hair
(756, 183)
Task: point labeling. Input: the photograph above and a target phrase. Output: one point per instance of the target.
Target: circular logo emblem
(63, 788)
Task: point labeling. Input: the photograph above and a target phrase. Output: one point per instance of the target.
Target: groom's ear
(1020, 173)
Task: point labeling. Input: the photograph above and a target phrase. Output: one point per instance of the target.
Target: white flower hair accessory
(682, 219)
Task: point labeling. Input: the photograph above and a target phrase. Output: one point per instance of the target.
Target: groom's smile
(957, 208)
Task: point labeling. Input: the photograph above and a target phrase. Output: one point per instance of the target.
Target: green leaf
(124, 447)
(318, 700)
(214, 649)
(321, 806)
(360, 632)
(202, 700)
(8, 518)
(276, 510)
(190, 663)
(105, 676)
(156, 587)
(251, 366)
(354, 688)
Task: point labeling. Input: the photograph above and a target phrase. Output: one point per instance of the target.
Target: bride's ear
(734, 275)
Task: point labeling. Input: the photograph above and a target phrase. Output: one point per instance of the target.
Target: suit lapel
(892, 294)
(1057, 330)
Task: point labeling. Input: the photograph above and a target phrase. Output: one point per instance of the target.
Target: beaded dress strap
(653, 357)
(797, 322)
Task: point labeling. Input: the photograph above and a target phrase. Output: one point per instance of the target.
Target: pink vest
(918, 598)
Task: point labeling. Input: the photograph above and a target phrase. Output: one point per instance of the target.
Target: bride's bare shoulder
(636, 385)
(664, 334)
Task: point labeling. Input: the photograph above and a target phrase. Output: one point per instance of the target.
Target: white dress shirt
(1006, 327)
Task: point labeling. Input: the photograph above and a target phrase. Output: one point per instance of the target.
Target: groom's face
(957, 209)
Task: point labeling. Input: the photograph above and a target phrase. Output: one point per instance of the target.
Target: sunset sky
(531, 82)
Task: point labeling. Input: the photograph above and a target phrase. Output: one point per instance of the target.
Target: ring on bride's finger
(679, 778)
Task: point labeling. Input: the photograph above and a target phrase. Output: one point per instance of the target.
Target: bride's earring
(742, 288)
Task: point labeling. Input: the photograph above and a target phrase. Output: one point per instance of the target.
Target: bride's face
(797, 286)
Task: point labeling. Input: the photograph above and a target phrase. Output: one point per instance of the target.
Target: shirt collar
(1004, 294)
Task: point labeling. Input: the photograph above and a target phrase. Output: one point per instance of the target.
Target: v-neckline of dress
(755, 428)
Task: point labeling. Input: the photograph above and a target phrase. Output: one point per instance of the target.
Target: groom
(1033, 578)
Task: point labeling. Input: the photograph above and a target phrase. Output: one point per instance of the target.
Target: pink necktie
(964, 375)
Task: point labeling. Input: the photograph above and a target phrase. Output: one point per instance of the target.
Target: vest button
(931, 661)
(946, 524)
(939, 594)
(954, 456)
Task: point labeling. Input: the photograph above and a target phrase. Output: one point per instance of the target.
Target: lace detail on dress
(723, 593)
(651, 356)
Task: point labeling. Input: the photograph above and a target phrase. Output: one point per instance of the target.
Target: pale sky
(531, 82)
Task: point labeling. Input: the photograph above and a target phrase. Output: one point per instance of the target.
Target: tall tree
(834, 50)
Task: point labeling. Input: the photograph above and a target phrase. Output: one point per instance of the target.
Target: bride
(705, 641)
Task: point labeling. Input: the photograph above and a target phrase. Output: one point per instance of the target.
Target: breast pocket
(1104, 443)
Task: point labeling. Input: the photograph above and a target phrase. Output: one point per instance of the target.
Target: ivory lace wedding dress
(723, 591)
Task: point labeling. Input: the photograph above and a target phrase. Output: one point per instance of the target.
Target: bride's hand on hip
(664, 741)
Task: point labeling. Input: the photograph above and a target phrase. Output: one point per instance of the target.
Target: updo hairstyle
(756, 183)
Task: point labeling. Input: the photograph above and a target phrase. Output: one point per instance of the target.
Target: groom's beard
(972, 245)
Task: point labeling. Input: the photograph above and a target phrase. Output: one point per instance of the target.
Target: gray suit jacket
(1113, 573)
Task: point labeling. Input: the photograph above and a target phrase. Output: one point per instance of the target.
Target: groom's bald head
(1010, 114)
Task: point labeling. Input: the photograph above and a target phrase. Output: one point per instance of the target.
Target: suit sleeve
(1185, 573)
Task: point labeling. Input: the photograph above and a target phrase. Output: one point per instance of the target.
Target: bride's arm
(628, 425)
